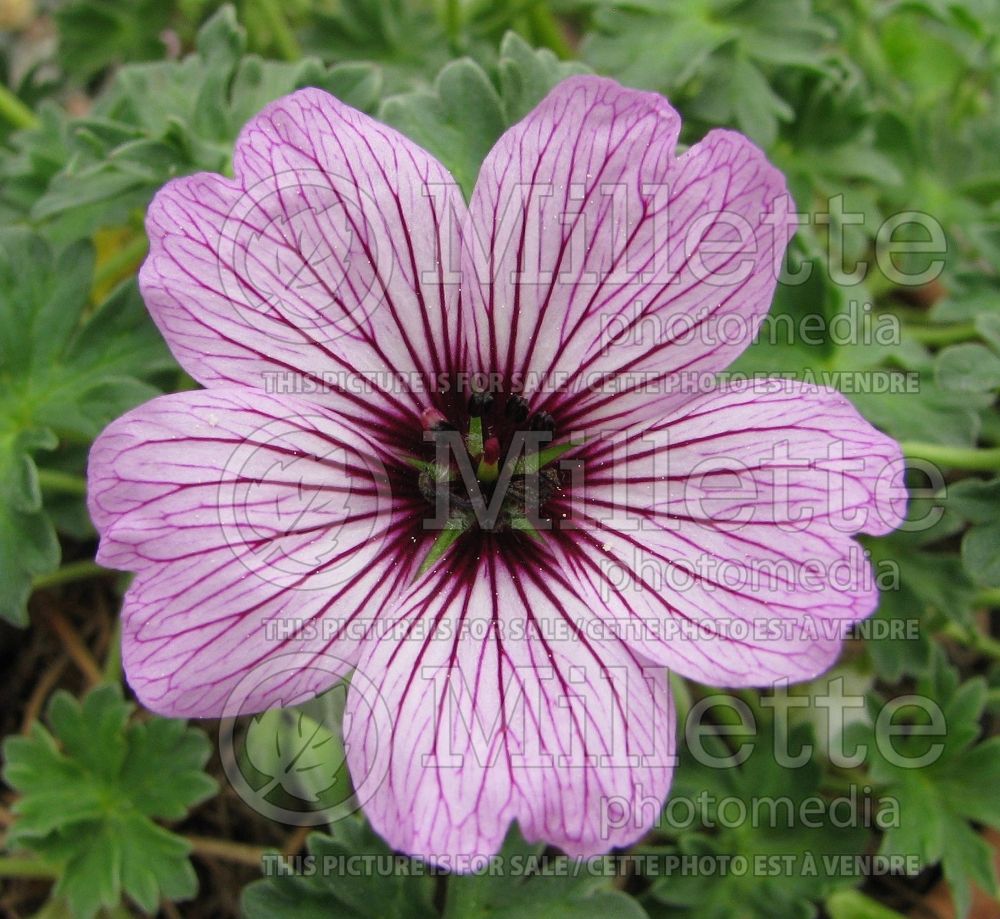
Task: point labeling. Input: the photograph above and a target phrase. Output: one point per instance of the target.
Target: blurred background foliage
(870, 108)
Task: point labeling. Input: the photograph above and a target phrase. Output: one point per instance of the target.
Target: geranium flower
(381, 362)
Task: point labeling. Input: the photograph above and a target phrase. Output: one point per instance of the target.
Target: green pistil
(422, 465)
(489, 465)
(488, 472)
(532, 462)
(524, 525)
(455, 527)
(474, 442)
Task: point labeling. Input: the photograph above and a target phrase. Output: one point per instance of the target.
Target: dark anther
(437, 485)
(479, 404)
(542, 421)
(516, 409)
(530, 493)
(438, 426)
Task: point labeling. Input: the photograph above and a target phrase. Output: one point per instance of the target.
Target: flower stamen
(516, 408)
(489, 465)
(498, 481)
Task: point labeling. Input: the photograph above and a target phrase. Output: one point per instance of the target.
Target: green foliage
(937, 774)
(384, 895)
(978, 502)
(65, 371)
(36, 155)
(526, 886)
(768, 811)
(464, 113)
(545, 890)
(405, 39)
(90, 789)
(28, 544)
(968, 367)
(93, 34)
(713, 54)
(164, 119)
(458, 119)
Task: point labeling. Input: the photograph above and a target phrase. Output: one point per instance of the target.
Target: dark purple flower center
(491, 468)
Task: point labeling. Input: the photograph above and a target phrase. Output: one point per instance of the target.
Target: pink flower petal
(247, 518)
(591, 248)
(323, 261)
(507, 709)
(720, 539)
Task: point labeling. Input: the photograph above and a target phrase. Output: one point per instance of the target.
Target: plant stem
(942, 334)
(113, 658)
(973, 638)
(238, 852)
(75, 647)
(74, 571)
(293, 845)
(284, 40)
(989, 596)
(548, 32)
(453, 22)
(64, 483)
(14, 867)
(14, 111)
(979, 459)
(124, 259)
